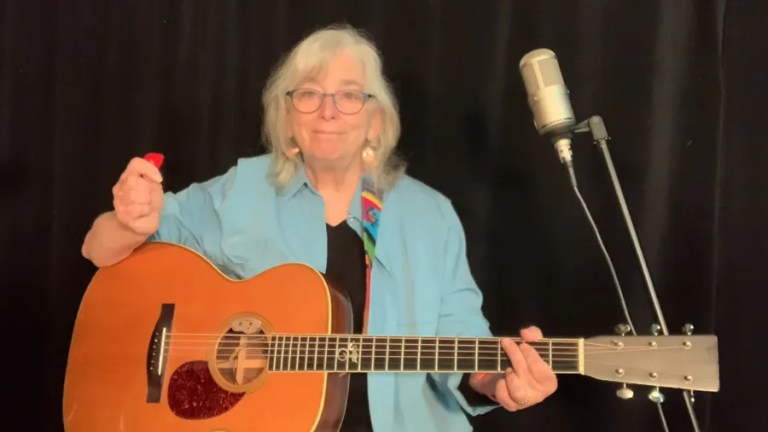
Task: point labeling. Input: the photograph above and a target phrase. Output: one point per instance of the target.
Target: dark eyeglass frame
(366, 97)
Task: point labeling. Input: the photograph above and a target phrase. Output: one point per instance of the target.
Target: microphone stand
(600, 137)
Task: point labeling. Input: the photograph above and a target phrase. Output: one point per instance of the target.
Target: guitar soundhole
(241, 353)
(194, 394)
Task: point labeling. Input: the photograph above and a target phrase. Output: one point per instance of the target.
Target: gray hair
(312, 53)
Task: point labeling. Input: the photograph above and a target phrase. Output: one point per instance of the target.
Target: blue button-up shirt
(421, 284)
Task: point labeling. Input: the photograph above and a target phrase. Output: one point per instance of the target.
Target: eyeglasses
(308, 101)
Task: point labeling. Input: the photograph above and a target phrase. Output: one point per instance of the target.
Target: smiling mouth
(327, 132)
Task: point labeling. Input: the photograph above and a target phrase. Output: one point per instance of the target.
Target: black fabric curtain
(681, 86)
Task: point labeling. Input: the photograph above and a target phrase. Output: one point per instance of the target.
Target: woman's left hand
(529, 381)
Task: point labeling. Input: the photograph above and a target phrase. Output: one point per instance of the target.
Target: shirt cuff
(471, 396)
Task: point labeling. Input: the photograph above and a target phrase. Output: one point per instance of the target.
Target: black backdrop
(681, 85)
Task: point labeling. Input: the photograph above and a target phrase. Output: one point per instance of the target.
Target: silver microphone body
(548, 99)
(547, 93)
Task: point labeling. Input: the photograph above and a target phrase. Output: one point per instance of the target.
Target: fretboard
(354, 353)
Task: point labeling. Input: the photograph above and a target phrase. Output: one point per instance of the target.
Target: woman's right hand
(138, 197)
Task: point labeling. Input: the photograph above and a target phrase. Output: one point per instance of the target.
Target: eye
(305, 94)
(351, 95)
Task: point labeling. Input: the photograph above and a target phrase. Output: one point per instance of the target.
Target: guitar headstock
(685, 362)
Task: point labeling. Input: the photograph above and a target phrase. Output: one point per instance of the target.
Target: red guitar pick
(155, 159)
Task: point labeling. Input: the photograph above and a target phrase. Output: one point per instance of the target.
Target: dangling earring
(292, 152)
(369, 157)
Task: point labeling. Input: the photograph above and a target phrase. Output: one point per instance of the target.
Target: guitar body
(152, 348)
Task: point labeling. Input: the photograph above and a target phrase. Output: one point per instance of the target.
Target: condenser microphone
(548, 99)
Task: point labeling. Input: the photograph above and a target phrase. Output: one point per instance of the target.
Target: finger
(156, 199)
(129, 197)
(137, 211)
(519, 363)
(139, 196)
(510, 391)
(142, 167)
(541, 373)
(531, 334)
(134, 183)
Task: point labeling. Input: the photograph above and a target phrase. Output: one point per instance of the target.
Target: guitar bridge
(157, 354)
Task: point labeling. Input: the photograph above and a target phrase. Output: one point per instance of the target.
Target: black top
(346, 269)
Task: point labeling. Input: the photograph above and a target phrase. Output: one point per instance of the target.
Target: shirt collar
(355, 214)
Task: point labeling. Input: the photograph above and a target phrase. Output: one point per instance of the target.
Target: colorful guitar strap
(371, 203)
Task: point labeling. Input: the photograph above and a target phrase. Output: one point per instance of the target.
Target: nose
(327, 108)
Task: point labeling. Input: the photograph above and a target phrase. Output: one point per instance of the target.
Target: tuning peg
(655, 329)
(625, 392)
(688, 329)
(622, 329)
(656, 396)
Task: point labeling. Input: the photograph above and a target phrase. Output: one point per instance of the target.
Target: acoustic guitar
(163, 341)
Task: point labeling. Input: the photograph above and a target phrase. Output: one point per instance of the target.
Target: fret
(437, 353)
(386, 365)
(412, 358)
(456, 354)
(395, 359)
(335, 354)
(550, 352)
(428, 359)
(302, 354)
(489, 353)
(317, 347)
(360, 354)
(282, 353)
(370, 364)
(567, 357)
(346, 358)
(291, 351)
(380, 352)
(298, 354)
(287, 352)
(445, 356)
(465, 355)
(306, 354)
(418, 355)
(499, 349)
(477, 344)
(325, 357)
(271, 354)
(295, 345)
(402, 354)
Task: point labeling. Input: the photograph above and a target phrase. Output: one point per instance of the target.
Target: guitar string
(383, 339)
(371, 354)
(322, 335)
(366, 340)
(441, 345)
(491, 354)
(411, 349)
(380, 344)
(370, 346)
(423, 344)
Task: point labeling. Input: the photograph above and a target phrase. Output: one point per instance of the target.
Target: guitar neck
(356, 353)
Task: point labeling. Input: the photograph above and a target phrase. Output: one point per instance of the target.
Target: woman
(331, 125)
